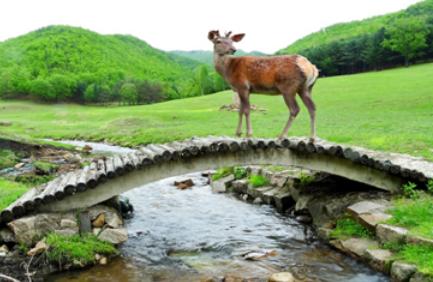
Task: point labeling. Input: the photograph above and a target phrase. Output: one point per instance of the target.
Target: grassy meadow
(389, 110)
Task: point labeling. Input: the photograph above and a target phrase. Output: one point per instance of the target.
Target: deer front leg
(239, 128)
(245, 106)
(294, 110)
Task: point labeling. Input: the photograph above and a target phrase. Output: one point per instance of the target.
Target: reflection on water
(187, 235)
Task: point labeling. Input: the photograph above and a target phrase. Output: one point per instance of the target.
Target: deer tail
(309, 70)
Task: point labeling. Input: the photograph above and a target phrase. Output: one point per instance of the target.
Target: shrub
(128, 93)
(239, 172)
(409, 190)
(42, 89)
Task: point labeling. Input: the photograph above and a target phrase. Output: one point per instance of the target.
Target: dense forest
(62, 63)
(206, 57)
(380, 42)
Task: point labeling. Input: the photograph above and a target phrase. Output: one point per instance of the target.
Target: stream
(186, 235)
(190, 235)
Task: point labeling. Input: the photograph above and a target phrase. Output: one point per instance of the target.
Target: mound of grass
(222, 172)
(258, 180)
(45, 167)
(10, 192)
(414, 214)
(348, 227)
(7, 158)
(419, 255)
(66, 249)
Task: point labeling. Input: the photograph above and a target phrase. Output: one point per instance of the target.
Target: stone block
(390, 233)
(401, 271)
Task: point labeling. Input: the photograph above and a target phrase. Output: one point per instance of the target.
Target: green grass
(45, 167)
(10, 191)
(239, 172)
(348, 227)
(66, 249)
(414, 214)
(419, 255)
(389, 110)
(258, 180)
(7, 158)
(222, 172)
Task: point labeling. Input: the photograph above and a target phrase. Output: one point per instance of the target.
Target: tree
(407, 36)
(42, 89)
(128, 93)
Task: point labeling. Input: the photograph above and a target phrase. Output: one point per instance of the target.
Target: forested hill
(370, 44)
(206, 57)
(62, 63)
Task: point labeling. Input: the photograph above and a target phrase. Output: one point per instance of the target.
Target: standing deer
(285, 75)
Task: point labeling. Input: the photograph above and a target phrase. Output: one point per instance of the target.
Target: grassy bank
(389, 110)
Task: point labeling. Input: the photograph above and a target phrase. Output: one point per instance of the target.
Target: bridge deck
(386, 171)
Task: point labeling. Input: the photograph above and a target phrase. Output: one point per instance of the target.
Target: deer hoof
(249, 135)
(238, 134)
(312, 140)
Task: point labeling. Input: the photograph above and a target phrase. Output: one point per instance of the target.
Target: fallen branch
(8, 278)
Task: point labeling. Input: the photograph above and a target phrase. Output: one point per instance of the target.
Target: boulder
(111, 216)
(4, 250)
(221, 185)
(184, 184)
(268, 195)
(389, 233)
(281, 277)
(39, 248)
(283, 200)
(67, 232)
(356, 247)
(419, 240)
(257, 192)
(421, 277)
(103, 260)
(66, 223)
(99, 221)
(6, 236)
(28, 230)
(401, 271)
(370, 212)
(278, 179)
(379, 259)
(114, 236)
(239, 186)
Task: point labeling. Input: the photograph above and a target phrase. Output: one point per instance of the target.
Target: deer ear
(237, 37)
(213, 34)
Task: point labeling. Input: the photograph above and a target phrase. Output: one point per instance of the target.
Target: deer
(285, 75)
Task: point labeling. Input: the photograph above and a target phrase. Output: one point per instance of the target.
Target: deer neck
(221, 63)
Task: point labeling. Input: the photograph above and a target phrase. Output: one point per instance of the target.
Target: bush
(42, 89)
(222, 172)
(128, 93)
(239, 172)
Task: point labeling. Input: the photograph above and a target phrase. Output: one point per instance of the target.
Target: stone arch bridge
(105, 178)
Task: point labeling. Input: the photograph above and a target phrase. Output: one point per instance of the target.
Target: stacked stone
(407, 167)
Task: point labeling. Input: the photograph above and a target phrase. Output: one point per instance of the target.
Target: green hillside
(78, 58)
(352, 29)
(393, 114)
(206, 57)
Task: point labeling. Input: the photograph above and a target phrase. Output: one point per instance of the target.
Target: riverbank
(369, 225)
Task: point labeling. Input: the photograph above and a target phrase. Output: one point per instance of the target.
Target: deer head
(224, 45)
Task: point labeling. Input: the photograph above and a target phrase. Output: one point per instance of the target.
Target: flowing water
(185, 235)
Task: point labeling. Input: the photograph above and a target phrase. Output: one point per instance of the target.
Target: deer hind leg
(289, 98)
(309, 103)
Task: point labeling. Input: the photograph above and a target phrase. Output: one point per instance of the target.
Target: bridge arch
(104, 179)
